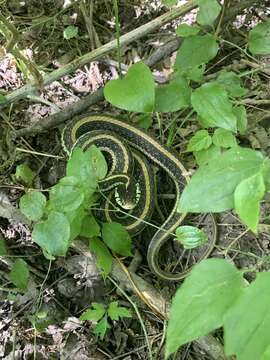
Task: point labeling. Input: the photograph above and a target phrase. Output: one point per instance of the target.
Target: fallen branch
(101, 51)
(83, 105)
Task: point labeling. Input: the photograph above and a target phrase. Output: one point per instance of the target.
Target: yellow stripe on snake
(130, 152)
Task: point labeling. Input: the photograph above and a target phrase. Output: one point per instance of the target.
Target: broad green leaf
(90, 227)
(53, 234)
(173, 96)
(101, 327)
(80, 167)
(211, 102)
(203, 157)
(201, 302)
(185, 30)
(3, 248)
(266, 354)
(224, 138)
(95, 313)
(190, 237)
(115, 312)
(241, 116)
(24, 175)
(212, 187)
(195, 73)
(104, 257)
(75, 219)
(19, 274)
(32, 205)
(247, 196)
(201, 140)
(231, 83)
(208, 12)
(135, 92)
(247, 322)
(67, 195)
(70, 32)
(206, 49)
(98, 161)
(259, 39)
(117, 238)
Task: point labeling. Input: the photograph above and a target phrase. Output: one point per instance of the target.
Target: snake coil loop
(129, 150)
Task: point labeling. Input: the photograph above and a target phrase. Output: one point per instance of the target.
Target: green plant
(229, 177)
(215, 295)
(65, 214)
(100, 314)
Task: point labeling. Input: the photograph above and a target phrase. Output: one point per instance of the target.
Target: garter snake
(78, 132)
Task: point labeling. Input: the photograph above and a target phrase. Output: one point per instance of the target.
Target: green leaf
(190, 237)
(80, 167)
(211, 102)
(24, 175)
(185, 30)
(19, 274)
(3, 248)
(195, 73)
(259, 39)
(104, 257)
(135, 92)
(201, 140)
(173, 96)
(75, 219)
(32, 205)
(117, 238)
(53, 234)
(101, 327)
(201, 302)
(98, 161)
(70, 32)
(247, 197)
(247, 322)
(266, 354)
(224, 138)
(231, 83)
(241, 115)
(90, 227)
(115, 312)
(66, 195)
(211, 188)
(208, 12)
(95, 313)
(206, 49)
(203, 157)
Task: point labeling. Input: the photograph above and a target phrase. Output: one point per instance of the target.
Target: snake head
(127, 196)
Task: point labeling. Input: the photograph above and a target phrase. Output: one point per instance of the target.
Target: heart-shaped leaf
(135, 92)
(53, 234)
(173, 96)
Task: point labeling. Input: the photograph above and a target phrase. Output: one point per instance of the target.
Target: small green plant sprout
(100, 315)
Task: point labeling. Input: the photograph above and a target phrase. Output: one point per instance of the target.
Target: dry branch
(101, 51)
(83, 105)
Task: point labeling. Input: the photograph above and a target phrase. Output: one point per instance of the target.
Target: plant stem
(117, 25)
